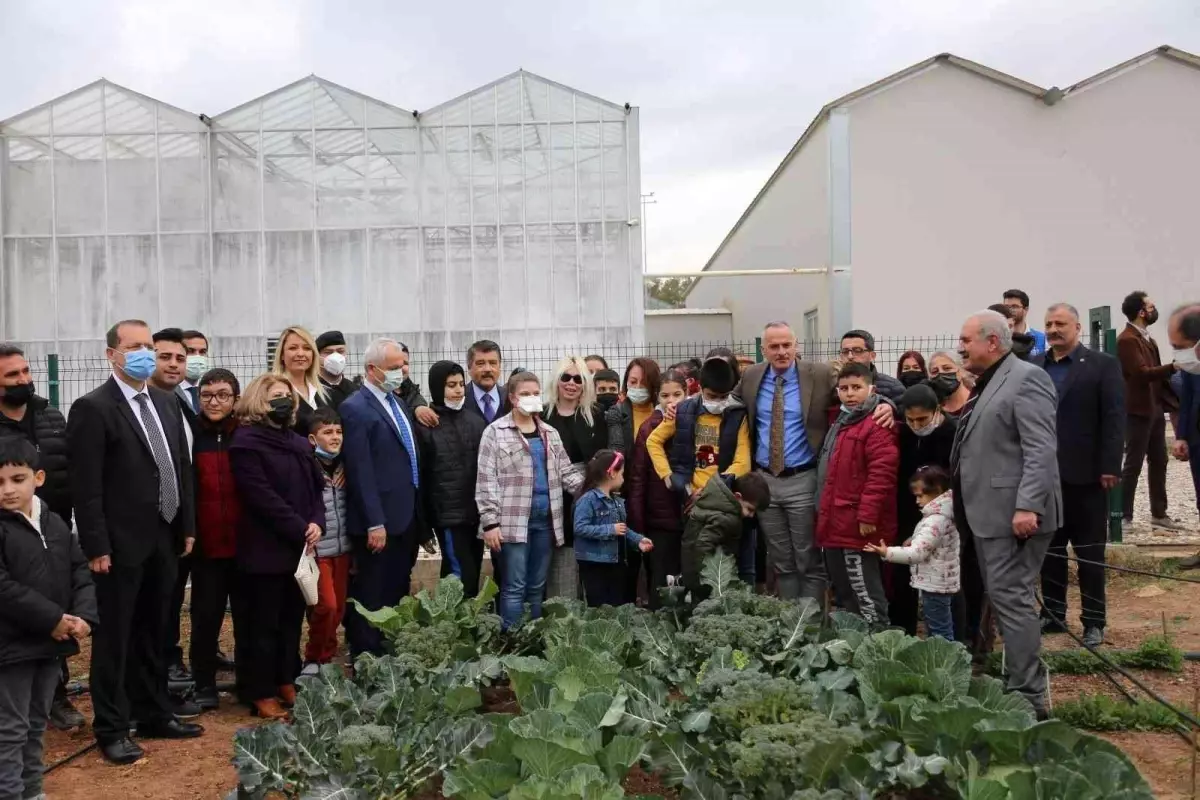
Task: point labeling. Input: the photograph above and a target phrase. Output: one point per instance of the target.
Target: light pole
(647, 200)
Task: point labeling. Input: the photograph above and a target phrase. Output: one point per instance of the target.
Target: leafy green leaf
(619, 755)
(696, 721)
(480, 780)
(260, 756)
(599, 710)
(545, 758)
(719, 572)
(458, 699)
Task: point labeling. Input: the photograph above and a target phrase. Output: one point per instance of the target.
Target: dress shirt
(796, 450)
(130, 397)
(479, 393)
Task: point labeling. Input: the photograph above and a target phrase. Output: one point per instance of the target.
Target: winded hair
(993, 323)
(754, 490)
(252, 407)
(323, 417)
(17, 451)
(857, 370)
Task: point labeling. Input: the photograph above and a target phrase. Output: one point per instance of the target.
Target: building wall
(962, 188)
(671, 326)
(788, 228)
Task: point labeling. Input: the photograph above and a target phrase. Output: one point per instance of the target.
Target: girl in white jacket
(932, 551)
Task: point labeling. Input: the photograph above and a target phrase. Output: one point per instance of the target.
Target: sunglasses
(576, 379)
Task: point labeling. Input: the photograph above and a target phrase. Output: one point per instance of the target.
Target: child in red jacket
(856, 496)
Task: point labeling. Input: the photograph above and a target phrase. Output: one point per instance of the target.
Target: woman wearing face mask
(296, 359)
(652, 507)
(280, 488)
(910, 369)
(949, 382)
(625, 419)
(572, 411)
(523, 471)
(449, 461)
(926, 439)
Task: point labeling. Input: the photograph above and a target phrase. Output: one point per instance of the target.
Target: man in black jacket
(859, 346)
(1091, 436)
(331, 346)
(131, 486)
(25, 415)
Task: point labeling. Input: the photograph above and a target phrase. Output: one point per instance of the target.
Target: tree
(671, 291)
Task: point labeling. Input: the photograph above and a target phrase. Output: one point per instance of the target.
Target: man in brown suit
(1148, 396)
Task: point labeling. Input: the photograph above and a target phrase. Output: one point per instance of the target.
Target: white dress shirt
(382, 397)
(494, 392)
(130, 395)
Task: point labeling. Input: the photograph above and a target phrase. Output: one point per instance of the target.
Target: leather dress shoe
(207, 699)
(169, 729)
(178, 673)
(268, 708)
(121, 751)
(224, 663)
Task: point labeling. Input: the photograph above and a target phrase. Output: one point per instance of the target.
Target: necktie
(777, 463)
(168, 494)
(489, 413)
(194, 391)
(406, 438)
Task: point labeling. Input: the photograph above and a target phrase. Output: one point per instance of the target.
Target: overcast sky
(724, 88)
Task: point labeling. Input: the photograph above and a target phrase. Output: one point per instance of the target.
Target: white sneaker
(311, 670)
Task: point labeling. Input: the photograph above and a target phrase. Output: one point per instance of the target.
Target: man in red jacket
(856, 496)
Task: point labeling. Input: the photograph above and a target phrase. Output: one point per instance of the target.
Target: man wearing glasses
(859, 346)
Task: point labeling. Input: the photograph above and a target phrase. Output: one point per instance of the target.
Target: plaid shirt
(504, 488)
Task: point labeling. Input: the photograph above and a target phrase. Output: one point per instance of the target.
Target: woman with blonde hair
(571, 410)
(296, 359)
(281, 489)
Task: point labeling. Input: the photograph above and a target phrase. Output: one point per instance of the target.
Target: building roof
(1052, 94)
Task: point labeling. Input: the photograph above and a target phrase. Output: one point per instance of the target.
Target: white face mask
(716, 406)
(335, 364)
(1187, 360)
(933, 425)
(530, 404)
(196, 367)
(456, 405)
(638, 395)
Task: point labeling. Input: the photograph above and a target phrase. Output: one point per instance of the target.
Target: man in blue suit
(1184, 332)
(383, 514)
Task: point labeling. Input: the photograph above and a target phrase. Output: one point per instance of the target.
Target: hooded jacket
(858, 463)
(43, 575)
(46, 429)
(449, 456)
(715, 522)
(933, 549)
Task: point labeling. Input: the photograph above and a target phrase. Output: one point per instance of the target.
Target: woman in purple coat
(280, 485)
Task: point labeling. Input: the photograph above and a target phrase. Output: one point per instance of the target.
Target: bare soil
(201, 768)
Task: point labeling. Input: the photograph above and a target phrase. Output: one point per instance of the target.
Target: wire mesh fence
(65, 379)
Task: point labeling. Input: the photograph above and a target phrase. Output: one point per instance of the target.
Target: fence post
(758, 349)
(52, 382)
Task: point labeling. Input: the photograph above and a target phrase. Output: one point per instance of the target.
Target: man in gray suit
(1006, 489)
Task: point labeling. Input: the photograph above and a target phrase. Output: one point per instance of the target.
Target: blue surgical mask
(139, 364)
(325, 454)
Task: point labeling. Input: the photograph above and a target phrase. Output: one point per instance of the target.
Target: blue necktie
(488, 412)
(194, 393)
(406, 438)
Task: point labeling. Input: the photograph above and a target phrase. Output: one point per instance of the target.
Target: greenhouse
(507, 213)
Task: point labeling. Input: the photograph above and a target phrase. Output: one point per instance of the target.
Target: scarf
(845, 418)
(335, 471)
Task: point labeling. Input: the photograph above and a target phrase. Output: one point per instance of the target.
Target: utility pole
(647, 200)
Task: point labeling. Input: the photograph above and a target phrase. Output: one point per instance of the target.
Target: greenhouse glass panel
(434, 281)
(287, 192)
(28, 289)
(237, 192)
(458, 176)
(620, 283)
(125, 112)
(393, 274)
(132, 184)
(461, 288)
(562, 173)
(341, 191)
(79, 184)
(182, 168)
(589, 171)
(27, 187)
(483, 175)
(343, 298)
(433, 178)
(80, 112)
(185, 276)
(591, 277)
(565, 276)
(539, 305)
(486, 285)
(616, 172)
(133, 278)
(236, 287)
(513, 295)
(512, 175)
(391, 190)
(289, 280)
(81, 287)
(537, 173)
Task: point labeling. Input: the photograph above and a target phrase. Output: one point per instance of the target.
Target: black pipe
(1193, 655)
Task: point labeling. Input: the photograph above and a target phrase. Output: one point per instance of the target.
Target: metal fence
(65, 379)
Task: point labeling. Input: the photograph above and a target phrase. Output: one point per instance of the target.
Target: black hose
(67, 759)
(1193, 655)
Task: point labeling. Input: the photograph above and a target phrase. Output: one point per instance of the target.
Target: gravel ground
(1181, 504)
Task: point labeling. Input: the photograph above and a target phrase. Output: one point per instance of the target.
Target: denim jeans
(939, 617)
(524, 568)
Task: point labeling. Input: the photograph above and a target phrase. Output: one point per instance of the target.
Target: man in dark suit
(383, 516)
(1091, 435)
(484, 395)
(1184, 332)
(131, 486)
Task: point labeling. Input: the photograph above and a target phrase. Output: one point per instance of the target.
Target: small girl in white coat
(932, 551)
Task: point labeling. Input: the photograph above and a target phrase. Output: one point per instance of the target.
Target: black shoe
(121, 751)
(224, 662)
(1093, 636)
(1052, 626)
(207, 699)
(171, 729)
(178, 673)
(63, 715)
(185, 709)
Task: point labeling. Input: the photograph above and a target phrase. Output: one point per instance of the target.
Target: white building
(932, 191)
(507, 213)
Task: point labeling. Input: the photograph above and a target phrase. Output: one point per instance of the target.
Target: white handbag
(307, 576)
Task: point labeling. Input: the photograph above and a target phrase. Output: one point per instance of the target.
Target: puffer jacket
(933, 550)
(596, 539)
(43, 575)
(450, 462)
(218, 506)
(888, 386)
(653, 508)
(714, 522)
(334, 541)
(860, 486)
(49, 436)
(619, 419)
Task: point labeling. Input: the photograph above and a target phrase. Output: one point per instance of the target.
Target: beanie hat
(330, 339)
(717, 375)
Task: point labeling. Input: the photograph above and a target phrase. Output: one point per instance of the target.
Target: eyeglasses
(576, 379)
(854, 351)
(215, 397)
